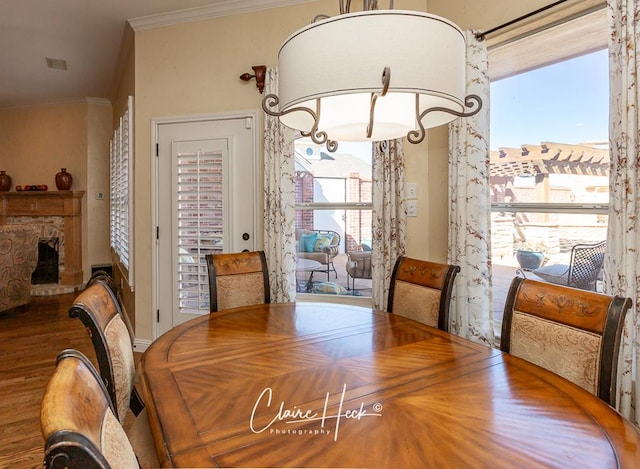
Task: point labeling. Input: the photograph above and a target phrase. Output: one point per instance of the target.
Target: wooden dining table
(332, 385)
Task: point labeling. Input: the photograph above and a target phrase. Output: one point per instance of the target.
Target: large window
(549, 144)
(554, 191)
(121, 191)
(333, 193)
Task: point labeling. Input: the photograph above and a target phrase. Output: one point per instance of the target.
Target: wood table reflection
(328, 385)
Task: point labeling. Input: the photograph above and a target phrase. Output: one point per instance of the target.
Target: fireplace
(47, 270)
(59, 214)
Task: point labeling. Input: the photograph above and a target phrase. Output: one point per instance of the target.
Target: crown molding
(223, 8)
(59, 102)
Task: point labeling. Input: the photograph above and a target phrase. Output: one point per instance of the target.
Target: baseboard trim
(141, 345)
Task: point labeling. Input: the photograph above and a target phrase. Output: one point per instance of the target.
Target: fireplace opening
(48, 259)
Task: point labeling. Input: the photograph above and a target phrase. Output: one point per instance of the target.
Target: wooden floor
(30, 340)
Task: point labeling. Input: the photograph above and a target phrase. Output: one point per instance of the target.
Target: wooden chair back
(112, 337)
(106, 278)
(421, 290)
(78, 420)
(573, 333)
(237, 279)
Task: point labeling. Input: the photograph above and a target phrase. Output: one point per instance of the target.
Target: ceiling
(87, 34)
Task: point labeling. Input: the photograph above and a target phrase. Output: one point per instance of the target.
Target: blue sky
(566, 102)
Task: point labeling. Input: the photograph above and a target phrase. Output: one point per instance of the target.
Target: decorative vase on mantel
(63, 180)
(5, 181)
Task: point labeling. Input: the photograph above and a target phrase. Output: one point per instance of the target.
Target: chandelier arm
(472, 101)
(386, 81)
(319, 137)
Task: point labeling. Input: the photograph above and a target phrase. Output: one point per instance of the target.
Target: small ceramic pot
(63, 180)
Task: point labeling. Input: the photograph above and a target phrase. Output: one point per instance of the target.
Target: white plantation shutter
(200, 223)
(121, 190)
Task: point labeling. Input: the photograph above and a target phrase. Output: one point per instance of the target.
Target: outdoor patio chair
(582, 271)
(358, 266)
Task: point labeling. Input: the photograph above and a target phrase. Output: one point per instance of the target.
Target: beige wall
(36, 141)
(96, 228)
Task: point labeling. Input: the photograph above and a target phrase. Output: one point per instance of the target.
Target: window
(549, 144)
(200, 219)
(120, 192)
(554, 191)
(333, 193)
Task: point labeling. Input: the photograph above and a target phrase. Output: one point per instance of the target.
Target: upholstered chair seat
(571, 332)
(421, 290)
(112, 337)
(237, 279)
(79, 422)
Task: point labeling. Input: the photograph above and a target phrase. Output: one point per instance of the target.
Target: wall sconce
(372, 75)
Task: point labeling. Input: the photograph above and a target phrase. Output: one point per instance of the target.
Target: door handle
(246, 236)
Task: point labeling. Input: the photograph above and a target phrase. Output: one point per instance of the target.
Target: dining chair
(112, 338)
(79, 423)
(237, 279)
(573, 333)
(421, 290)
(104, 276)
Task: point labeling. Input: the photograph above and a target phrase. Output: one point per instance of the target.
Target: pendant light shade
(371, 75)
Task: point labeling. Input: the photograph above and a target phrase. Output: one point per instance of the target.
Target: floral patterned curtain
(389, 216)
(279, 202)
(470, 208)
(622, 260)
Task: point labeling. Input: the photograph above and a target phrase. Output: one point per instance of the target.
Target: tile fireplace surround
(59, 214)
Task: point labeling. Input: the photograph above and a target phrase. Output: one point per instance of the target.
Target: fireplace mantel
(65, 204)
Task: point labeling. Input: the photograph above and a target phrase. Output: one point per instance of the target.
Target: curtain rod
(480, 36)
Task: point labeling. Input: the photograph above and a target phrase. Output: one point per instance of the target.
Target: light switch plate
(412, 208)
(412, 190)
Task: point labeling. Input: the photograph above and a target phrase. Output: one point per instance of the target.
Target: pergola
(536, 161)
(541, 160)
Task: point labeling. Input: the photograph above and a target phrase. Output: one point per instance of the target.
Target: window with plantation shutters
(121, 192)
(200, 223)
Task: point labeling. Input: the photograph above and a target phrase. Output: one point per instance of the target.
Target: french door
(205, 203)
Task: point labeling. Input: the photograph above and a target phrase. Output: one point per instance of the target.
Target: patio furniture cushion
(307, 242)
(329, 288)
(583, 270)
(554, 273)
(323, 241)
